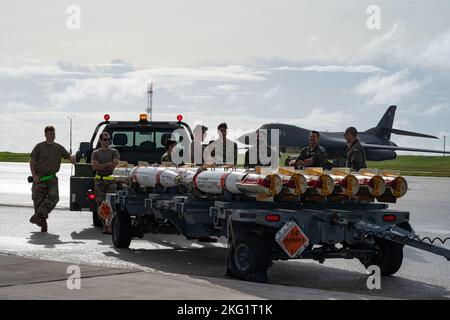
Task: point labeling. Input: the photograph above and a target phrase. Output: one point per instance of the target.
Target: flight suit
(356, 157)
(319, 155)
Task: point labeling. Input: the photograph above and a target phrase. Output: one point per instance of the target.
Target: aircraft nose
(247, 137)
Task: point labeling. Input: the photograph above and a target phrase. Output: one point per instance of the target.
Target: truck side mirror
(84, 147)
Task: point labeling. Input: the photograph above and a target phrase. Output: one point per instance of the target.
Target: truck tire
(121, 230)
(249, 258)
(96, 220)
(389, 257)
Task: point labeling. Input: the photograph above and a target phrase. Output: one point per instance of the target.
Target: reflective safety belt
(46, 178)
(103, 177)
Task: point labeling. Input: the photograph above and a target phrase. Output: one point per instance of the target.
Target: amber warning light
(106, 117)
(143, 117)
(179, 117)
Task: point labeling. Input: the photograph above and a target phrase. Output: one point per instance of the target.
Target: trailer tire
(96, 220)
(249, 258)
(390, 257)
(121, 230)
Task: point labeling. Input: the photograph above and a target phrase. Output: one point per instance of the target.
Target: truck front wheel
(121, 230)
(249, 258)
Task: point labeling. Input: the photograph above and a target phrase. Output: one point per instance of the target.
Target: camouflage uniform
(103, 183)
(45, 194)
(102, 187)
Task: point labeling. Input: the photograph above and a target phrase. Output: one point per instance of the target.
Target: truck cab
(136, 141)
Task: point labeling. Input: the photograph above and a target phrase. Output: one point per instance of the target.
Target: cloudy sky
(310, 63)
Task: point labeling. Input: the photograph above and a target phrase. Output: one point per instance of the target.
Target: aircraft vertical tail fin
(383, 128)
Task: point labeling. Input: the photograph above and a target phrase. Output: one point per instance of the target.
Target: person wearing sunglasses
(103, 161)
(44, 164)
(356, 156)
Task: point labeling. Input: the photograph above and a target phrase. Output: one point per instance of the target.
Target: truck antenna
(150, 101)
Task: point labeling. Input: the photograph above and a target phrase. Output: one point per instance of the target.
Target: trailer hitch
(402, 236)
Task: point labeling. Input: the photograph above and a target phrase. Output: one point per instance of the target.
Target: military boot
(44, 225)
(35, 219)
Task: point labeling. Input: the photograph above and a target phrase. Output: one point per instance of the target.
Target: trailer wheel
(121, 230)
(96, 220)
(389, 257)
(249, 258)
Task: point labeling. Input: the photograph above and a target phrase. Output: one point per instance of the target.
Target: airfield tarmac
(72, 240)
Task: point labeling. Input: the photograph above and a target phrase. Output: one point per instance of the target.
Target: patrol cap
(351, 130)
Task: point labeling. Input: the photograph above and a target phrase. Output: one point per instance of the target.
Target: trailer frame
(335, 230)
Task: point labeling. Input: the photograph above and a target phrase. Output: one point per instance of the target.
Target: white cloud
(335, 68)
(402, 124)
(437, 52)
(272, 92)
(389, 47)
(385, 39)
(396, 47)
(116, 66)
(30, 70)
(63, 69)
(444, 133)
(226, 88)
(226, 73)
(428, 110)
(388, 89)
(16, 106)
(132, 84)
(435, 109)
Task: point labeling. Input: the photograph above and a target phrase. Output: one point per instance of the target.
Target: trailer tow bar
(402, 236)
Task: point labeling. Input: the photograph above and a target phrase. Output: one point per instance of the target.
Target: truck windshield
(148, 139)
(141, 143)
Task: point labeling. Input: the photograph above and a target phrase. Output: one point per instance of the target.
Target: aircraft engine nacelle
(380, 155)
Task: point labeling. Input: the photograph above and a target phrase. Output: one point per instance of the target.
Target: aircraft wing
(396, 148)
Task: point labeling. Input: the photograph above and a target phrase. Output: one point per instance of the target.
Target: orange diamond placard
(292, 239)
(105, 210)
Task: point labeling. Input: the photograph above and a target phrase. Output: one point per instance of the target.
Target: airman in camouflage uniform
(103, 161)
(44, 164)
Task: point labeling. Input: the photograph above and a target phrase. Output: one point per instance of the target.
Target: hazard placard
(105, 210)
(292, 239)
